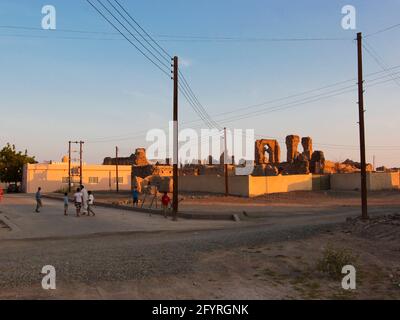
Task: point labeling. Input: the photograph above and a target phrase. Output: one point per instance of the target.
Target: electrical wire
(369, 82)
(371, 51)
(382, 30)
(145, 32)
(185, 84)
(123, 25)
(116, 28)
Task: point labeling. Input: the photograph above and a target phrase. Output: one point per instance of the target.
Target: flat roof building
(53, 177)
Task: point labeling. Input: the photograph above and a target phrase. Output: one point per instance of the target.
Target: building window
(93, 180)
(120, 180)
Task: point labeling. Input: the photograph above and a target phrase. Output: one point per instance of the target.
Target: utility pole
(80, 162)
(116, 167)
(69, 166)
(364, 204)
(374, 163)
(226, 163)
(175, 140)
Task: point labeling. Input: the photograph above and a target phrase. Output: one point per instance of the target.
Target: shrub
(333, 260)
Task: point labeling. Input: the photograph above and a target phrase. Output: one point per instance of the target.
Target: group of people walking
(83, 200)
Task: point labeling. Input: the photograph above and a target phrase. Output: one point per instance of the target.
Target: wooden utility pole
(69, 166)
(364, 203)
(116, 168)
(226, 163)
(175, 140)
(80, 162)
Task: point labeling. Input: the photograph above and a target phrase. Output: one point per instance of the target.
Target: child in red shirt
(165, 200)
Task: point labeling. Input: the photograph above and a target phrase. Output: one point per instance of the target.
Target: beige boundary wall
(246, 186)
(375, 181)
(54, 177)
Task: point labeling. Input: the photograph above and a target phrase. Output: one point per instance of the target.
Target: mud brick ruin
(267, 162)
(306, 142)
(136, 159)
(292, 143)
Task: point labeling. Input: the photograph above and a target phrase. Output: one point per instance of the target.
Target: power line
(187, 91)
(189, 99)
(123, 25)
(383, 30)
(57, 37)
(116, 28)
(304, 100)
(300, 102)
(146, 33)
(197, 102)
(167, 57)
(185, 38)
(371, 51)
(289, 105)
(58, 30)
(300, 93)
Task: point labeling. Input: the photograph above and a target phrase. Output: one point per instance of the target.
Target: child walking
(135, 196)
(78, 201)
(66, 204)
(90, 203)
(165, 200)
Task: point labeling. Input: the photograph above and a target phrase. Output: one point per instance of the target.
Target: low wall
(321, 182)
(246, 186)
(281, 183)
(375, 181)
(384, 180)
(238, 185)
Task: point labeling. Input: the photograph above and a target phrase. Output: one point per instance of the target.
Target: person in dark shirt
(38, 196)
(135, 196)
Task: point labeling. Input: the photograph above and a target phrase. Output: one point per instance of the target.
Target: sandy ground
(275, 258)
(279, 270)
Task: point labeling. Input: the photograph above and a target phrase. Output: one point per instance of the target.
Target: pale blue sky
(55, 89)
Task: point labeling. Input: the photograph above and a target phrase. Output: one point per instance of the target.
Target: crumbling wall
(317, 163)
(292, 143)
(261, 170)
(306, 142)
(300, 165)
(273, 150)
(138, 158)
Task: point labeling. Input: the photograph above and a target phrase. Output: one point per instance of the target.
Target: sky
(58, 86)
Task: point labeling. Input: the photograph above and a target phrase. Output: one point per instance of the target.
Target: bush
(333, 260)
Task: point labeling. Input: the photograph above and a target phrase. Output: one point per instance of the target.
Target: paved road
(18, 213)
(133, 255)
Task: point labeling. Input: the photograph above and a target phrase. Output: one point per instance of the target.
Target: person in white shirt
(78, 201)
(90, 203)
(85, 198)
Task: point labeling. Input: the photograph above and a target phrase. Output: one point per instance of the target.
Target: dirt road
(270, 258)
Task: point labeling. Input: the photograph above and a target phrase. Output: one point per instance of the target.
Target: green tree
(12, 162)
